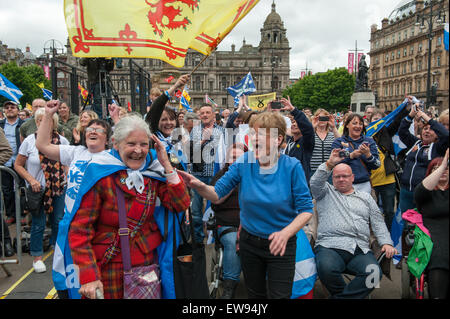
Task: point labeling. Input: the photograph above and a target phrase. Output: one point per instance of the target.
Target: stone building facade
(399, 55)
(268, 63)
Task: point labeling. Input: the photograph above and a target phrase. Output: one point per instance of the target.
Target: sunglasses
(97, 130)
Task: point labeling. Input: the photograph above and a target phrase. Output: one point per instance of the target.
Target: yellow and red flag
(160, 29)
(84, 93)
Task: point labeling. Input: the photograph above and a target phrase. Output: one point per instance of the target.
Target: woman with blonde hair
(275, 203)
(79, 131)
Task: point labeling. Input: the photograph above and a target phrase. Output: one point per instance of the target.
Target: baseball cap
(10, 102)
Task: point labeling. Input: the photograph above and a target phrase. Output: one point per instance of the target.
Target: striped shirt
(322, 150)
(207, 152)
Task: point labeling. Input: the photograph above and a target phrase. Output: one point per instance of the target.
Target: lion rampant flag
(84, 93)
(160, 29)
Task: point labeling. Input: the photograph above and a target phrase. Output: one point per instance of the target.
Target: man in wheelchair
(345, 217)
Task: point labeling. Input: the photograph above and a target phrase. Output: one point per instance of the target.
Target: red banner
(303, 74)
(351, 62)
(359, 56)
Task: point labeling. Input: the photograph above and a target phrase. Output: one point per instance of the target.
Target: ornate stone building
(399, 55)
(268, 64)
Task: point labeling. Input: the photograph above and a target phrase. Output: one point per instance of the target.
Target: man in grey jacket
(5, 154)
(345, 217)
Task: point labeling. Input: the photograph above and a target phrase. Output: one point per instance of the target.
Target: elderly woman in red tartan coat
(93, 233)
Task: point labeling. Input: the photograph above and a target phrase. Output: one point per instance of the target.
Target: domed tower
(274, 49)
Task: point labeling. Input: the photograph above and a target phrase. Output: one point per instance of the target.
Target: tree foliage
(26, 79)
(331, 90)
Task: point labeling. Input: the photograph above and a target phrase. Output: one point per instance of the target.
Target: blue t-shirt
(269, 199)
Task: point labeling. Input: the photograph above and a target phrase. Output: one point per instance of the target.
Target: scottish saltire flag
(245, 87)
(65, 274)
(396, 234)
(184, 103)
(206, 215)
(47, 94)
(305, 267)
(376, 126)
(9, 90)
(446, 39)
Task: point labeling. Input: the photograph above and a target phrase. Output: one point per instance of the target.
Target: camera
(344, 153)
(276, 105)
(323, 119)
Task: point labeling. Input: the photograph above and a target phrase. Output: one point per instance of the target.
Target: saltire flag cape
(9, 90)
(374, 127)
(305, 267)
(65, 274)
(396, 234)
(160, 29)
(260, 102)
(245, 87)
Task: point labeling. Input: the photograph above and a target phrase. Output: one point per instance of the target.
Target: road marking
(6, 293)
(51, 294)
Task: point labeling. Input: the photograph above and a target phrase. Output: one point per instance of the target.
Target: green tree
(331, 90)
(26, 79)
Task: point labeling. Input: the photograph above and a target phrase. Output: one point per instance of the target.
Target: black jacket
(302, 149)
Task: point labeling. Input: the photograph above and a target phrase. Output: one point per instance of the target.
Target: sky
(320, 32)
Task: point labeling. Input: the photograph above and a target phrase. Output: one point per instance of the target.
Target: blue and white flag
(396, 234)
(65, 274)
(47, 94)
(446, 39)
(305, 267)
(244, 87)
(9, 90)
(376, 126)
(184, 103)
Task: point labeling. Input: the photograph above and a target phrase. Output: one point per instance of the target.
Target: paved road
(26, 284)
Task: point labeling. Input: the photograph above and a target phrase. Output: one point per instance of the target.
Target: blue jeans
(387, 194)
(231, 261)
(197, 211)
(38, 222)
(332, 263)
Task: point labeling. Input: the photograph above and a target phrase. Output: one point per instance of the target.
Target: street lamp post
(429, 19)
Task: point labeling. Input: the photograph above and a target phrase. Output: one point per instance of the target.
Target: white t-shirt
(33, 164)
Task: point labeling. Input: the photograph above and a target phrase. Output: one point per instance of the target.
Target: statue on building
(362, 81)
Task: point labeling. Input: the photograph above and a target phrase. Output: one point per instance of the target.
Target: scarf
(54, 174)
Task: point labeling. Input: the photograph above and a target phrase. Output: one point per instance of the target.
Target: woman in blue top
(275, 203)
(362, 151)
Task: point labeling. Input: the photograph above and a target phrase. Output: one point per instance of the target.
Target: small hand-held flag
(46, 93)
(185, 99)
(9, 90)
(169, 79)
(84, 93)
(244, 87)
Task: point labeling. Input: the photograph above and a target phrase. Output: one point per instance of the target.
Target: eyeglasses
(97, 130)
(341, 176)
(10, 107)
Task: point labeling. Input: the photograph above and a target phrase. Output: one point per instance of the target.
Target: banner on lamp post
(351, 61)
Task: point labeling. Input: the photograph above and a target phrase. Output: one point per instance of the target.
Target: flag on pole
(376, 126)
(446, 39)
(29, 107)
(185, 99)
(351, 63)
(259, 102)
(210, 100)
(169, 79)
(9, 90)
(159, 29)
(84, 93)
(245, 87)
(46, 93)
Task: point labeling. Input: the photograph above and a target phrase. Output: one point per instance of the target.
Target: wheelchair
(411, 286)
(216, 269)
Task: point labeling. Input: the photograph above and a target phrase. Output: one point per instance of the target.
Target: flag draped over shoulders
(65, 274)
(161, 29)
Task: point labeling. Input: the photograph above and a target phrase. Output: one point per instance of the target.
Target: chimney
(384, 23)
(373, 28)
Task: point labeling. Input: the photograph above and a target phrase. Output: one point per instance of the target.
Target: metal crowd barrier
(18, 255)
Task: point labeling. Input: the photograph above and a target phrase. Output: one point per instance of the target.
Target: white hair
(127, 125)
(40, 113)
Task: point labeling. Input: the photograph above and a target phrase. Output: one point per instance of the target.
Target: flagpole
(198, 65)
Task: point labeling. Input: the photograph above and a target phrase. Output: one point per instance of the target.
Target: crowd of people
(269, 176)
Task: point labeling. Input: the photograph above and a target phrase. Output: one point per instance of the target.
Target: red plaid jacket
(94, 228)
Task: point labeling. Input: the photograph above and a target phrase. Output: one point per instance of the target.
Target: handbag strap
(181, 228)
(124, 231)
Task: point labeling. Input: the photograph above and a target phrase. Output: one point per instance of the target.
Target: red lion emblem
(166, 13)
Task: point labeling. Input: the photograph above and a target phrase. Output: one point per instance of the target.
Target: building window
(406, 34)
(386, 59)
(392, 56)
(399, 37)
(439, 41)
(224, 100)
(392, 70)
(412, 31)
(420, 47)
(397, 89)
(393, 38)
(438, 61)
(386, 91)
(386, 72)
(419, 85)
(411, 50)
(410, 88)
(411, 67)
(398, 69)
(405, 52)
(398, 54)
(419, 65)
(404, 68)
